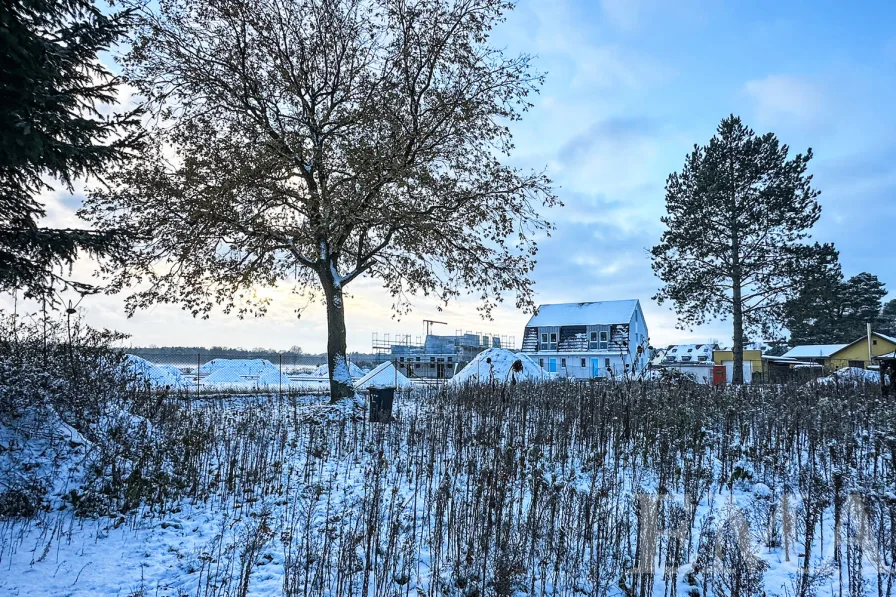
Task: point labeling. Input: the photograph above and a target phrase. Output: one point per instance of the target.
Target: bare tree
(316, 141)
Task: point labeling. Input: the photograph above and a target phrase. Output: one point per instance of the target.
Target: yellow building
(837, 356)
(752, 363)
(754, 357)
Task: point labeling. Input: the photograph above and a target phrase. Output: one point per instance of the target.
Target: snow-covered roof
(814, 350)
(599, 312)
(885, 337)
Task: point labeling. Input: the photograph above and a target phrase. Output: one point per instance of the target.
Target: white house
(586, 340)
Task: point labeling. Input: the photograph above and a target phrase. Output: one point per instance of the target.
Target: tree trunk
(737, 376)
(340, 378)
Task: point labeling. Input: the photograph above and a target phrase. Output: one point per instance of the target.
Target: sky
(631, 86)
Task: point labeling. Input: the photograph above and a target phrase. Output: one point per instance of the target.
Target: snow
(259, 372)
(355, 371)
(601, 312)
(813, 350)
(155, 376)
(173, 551)
(851, 374)
(479, 370)
(384, 376)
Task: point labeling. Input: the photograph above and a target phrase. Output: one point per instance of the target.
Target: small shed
(887, 365)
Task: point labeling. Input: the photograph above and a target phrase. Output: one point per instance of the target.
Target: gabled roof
(828, 350)
(813, 351)
(599, 312)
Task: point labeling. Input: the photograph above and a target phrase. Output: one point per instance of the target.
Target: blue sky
(631, 86)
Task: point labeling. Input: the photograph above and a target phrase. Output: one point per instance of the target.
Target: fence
(211, 373)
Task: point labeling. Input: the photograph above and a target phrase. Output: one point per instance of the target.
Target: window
(418, 359)
(541, 363)
(449, 359)
(553, 338)
(603, 336)
(544, 338)
(432, 359)
(594, 336)
(690, 350)
(874, 342)
(401, 359)
(417, 366)
(583, 363)
(607, 363)
(563, 363)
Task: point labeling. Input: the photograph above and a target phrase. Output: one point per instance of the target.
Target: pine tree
(735, 216)
(886, 321)
(51, 87)
(862, 296)
(831, 310)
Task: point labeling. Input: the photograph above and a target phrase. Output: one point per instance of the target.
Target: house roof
(813, 351)
(599, 312)
(828, 350)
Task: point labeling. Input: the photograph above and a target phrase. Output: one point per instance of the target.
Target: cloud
(622, 13)
(780, 99)
(561, 33)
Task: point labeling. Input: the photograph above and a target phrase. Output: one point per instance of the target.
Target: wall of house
(748, 370)
(753, 356)
(570, 364)
(638, 334)
(701, 373)
(859, 352)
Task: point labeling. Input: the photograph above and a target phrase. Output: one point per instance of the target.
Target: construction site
(434, 356)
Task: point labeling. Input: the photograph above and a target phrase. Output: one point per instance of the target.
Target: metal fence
(211, 373)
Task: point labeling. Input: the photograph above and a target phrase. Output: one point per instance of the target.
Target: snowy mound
(480, 370)
(384, 376)
(254, 371)
(852, 375)
(145, 372)
(355, 371)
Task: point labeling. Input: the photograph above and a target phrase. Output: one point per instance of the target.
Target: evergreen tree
(863, 297)
(735, 216)
(51, 87)
(830, 310)
(812, 314)
(886, 321)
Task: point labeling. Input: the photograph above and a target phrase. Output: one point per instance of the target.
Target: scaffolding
(433, 356)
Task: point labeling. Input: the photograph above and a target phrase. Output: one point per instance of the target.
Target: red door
(719, 375)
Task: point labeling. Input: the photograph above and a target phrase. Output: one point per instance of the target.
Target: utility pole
(870, 354)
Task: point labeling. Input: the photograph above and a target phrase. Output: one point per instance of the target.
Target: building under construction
(433, 356)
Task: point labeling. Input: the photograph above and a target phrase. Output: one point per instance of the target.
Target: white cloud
(780, 99)
(622, 13)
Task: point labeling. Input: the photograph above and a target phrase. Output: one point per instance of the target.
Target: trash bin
(380, 405)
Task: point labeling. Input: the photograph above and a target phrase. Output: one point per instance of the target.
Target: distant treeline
(148, 352)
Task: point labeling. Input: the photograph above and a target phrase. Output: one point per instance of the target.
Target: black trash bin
(381, 400)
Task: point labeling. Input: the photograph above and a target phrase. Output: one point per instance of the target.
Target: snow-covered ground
(548, 494)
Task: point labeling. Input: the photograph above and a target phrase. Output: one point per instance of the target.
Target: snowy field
(550, 489)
